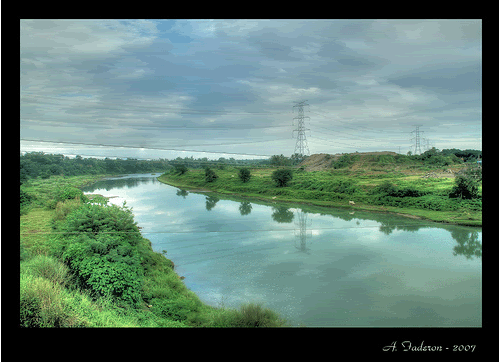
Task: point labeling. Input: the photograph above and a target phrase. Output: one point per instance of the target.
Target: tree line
(40, 164)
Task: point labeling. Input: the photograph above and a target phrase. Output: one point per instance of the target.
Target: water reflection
(245, 208)
(120, 182)
(360, 268)
(281, 214)
(211, 201)
(182, 193)
(302, 233)
(468, 243)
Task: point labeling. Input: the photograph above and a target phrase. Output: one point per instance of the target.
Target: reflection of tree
(388, 226)
(211, 201)
(282, 214)
(467, 243)
(182, 193)
(245, 208)
(120, 183)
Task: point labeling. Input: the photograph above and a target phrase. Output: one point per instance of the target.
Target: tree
(282, 177)
(210, 175)
(279, 160)
(465, 187)
(244, 174)
(181, 168)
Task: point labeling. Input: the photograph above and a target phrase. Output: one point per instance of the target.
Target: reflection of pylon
(302, 223)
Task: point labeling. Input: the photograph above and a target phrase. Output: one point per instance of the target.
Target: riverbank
(88, 265)
(344, 189)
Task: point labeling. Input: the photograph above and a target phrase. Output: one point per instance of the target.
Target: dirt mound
(322, 161)
(319, 161)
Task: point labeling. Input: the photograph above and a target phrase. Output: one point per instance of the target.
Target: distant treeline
(39, 164)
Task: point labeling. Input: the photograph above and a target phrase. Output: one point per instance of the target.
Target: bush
(345, 161)
(464, 188)
(210, 175)
(249, 315)
(282, 177)
(181, 169)
(244, 174)
(95, 218)
(69, 193)
(100, 247)
(64, 208)
(179, 309)
(386, 188)
(107, 265)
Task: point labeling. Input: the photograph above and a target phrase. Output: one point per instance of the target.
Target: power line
(142, 147)
(357, 126)
(166, 127)
(121, 107)
(219, 231)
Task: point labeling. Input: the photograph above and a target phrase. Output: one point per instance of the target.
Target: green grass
(53, 295)
(335, 188)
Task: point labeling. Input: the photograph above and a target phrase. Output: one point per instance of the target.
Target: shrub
(179, 309)
(386, 188)
(69, 193)
(95, 218)
(249, 315)
(181, 169)
(282, 177)
(345, 161)
(464, 188)
(106, 264)
(210, 175)
(244, 174)
(63, 208)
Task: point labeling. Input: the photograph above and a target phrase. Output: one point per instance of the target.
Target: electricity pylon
(417, 145)
(301, 146)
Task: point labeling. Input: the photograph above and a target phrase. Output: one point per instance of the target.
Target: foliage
(39, 164)
(181, 168)
(70, 193)
(345, 160)
(282, 177)
(249, 315)
(210, 175)
(24, 201)
(280, 160)
(466, 187)
(244, 174)
(100, 248)
(96, 270)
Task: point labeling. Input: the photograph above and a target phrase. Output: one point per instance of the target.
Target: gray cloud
(131, 81)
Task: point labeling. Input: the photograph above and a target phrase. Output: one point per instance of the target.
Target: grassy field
(57, 289)
(337, 187)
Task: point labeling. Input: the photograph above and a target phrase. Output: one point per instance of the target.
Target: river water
(315, 267)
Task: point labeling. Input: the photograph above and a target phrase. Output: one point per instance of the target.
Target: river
(315, 267)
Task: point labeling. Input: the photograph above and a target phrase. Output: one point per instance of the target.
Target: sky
(230, 88)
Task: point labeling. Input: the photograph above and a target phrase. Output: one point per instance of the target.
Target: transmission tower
(417, 146)
(301, 140)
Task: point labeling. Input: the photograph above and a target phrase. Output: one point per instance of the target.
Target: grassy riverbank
(87, 265)
(414, 194)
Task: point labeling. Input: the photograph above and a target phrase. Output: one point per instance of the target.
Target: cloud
(78, 76)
